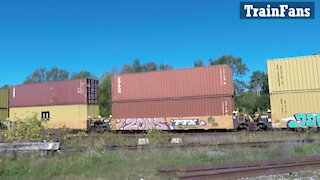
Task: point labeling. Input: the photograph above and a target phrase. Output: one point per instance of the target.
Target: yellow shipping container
(285, 105)
(294, 74)
(69, 116)
(4, 98)
(4, 114)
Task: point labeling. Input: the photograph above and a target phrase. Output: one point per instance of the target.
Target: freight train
(199, 98)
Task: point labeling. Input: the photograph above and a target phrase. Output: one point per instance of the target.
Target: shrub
(25, 129)
(156, 136)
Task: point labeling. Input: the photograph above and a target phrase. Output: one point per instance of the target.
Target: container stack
(294, 86)
(4, 103)
(202, 91)
(62, 103)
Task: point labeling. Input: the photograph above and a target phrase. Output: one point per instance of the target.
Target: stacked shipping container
(4, 103)
(63, 103)
(203, 91)
(294, 86)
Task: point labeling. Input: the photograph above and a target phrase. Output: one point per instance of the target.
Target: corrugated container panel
(214, 106)
(201, 81)
(80, 91)
(4, 97)
(69, 116)
(285, 105)
(292, 74)
(4, 114)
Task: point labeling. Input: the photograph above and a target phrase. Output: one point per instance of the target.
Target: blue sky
(97, 35)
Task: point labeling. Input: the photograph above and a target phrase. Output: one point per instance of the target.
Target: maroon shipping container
(80, 91)
(191, 82)
(185, 107)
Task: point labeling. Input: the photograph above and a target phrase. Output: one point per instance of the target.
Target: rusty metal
(243, 169)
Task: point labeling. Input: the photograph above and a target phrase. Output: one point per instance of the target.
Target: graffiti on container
(187, 122)
(212, 121)
(304, 120)
(144, 124)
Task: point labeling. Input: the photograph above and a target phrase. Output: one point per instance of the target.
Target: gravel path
(304, 175)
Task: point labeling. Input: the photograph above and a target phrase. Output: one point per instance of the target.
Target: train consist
(184, 99)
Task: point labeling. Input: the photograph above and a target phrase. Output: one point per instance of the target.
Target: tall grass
(136, 164)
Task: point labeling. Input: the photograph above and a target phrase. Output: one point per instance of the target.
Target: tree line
(250, 97)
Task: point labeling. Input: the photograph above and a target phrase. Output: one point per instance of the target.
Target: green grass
(135, 164)
(144, 164)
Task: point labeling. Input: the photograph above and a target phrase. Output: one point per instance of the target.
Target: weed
(25, 129)
(156, 136)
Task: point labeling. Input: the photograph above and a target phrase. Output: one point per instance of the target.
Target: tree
(127, 69)
(256, 96)
(150, 66)
(83, 75)
(6, 86)
(239, 86)
(259, 82)
(42, 75)
(164, 67)
(239, 68)
(199, 63)
(246, 102)
(137, 67)
(56, 74)
(37, 76)
(105, 95)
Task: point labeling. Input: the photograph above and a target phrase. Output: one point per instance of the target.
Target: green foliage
(150, 66)
(255, 97)
(83, 75)
(199, 63)
(246, 102)
(138, 67)
(6, 86)
(42, 75)
(311, 133)
(105, 95)
(239, 86)
(259, 82)
(25, 129)
(137, 164)
(165, 67)
(251, 102)
(238, 67)
(156, 136)
(56, 74)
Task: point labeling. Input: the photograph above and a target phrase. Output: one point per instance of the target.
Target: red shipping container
(201, 81)
(80, 91)
(185, 107)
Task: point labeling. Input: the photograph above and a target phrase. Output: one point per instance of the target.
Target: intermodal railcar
(199, 98)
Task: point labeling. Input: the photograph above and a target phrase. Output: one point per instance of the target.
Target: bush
(25, 129)
(156, 136)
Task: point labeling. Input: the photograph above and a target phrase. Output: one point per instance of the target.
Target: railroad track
(238, 170)
(260, 144)
(128, 135)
